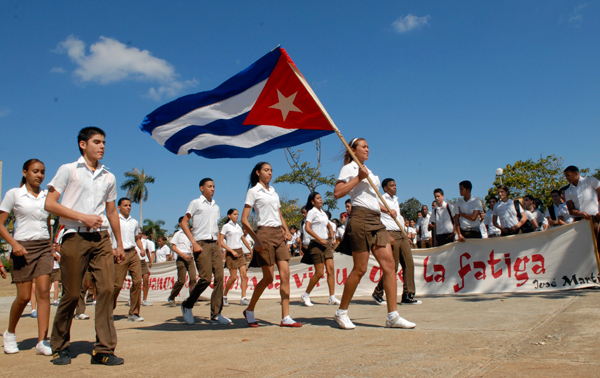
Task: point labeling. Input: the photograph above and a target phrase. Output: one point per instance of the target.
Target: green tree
(597, 173)
(310, 177)
(410, 207)
(291, 212)
(154, 228)
(135, 184)
(537, 178)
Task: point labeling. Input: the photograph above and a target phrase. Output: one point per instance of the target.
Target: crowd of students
(100, 243)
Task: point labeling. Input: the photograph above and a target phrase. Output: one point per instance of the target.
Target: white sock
(341, 312)
(288, 320)
(392, 315)
(244, 298)
(305, 295)
(9, 334)
(250, 316)
(332, 298)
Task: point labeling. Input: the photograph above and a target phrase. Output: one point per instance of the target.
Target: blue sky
(442, 92)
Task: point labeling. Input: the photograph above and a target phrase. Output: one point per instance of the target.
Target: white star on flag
(286, 104)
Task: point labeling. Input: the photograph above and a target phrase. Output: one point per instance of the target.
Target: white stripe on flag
(253, 137)
(227, 109)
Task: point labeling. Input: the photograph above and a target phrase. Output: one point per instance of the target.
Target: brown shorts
(234, 263)
(37, 262)
(55, 275)
(145, 269)
(363, 231)
(317, 253)
(274, 246)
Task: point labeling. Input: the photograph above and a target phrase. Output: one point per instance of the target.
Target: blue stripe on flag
(257, 72)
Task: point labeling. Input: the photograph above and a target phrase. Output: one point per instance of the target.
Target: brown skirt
(317, 253)
(37, 262)
(233, 263)
(145, 269)
(55, 275)
(274, 247)
(363, 231)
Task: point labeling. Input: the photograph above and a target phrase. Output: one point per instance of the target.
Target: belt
(471, 229)
(129, 249)
(88, 229)
(208, 241)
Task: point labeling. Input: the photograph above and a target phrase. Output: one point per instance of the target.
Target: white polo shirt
(162, 253)
(233, 235)
(145, 245)
(339, 234)
(84, 190)
(182, 242)
(31, 218)
(423, 224)
(441, 218)
(505, 211)
(584, 195)
(265, 203)
(488, 220)
(468, 207)
(251, 242)
(129, 230)
(362, 194)
(305, 237)
(56, 263)
(538, 216)
(205, 218)
(333, 228)
(318, 222)
(386, 219)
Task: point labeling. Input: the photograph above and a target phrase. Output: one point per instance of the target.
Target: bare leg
(315, 278)
(42, 292)
(146, 279)
(33, 302)
(330, 276)
(230, 281)
(384, 257)
(268, 274)
(361, 260)
(284, 288)
(19, 304)
(244, 280)
(55, 284)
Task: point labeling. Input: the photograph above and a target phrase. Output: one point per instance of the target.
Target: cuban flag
(265, 107)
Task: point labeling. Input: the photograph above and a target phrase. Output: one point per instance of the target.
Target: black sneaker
(106, 359)
(409, 298)
(379, 299)
(62, 357)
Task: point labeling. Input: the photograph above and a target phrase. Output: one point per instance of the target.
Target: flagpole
(339, 134)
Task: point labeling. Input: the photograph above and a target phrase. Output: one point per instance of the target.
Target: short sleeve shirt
(129, 230)
(507, 214)
(362, 194)
(233, 235)
(584, 195)
(318, 222)
(31, 218)
(468, 207)
(265, 203)
(183, 243)
(162, 253)
(205, 218)
(423, 225)
(387, 219)
(250, 241)
(441, 218)
(488, 221)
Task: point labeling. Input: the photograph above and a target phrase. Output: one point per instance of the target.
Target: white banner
(557, 259)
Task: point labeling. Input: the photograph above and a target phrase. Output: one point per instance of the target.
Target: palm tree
(135, 184)
(154, 228)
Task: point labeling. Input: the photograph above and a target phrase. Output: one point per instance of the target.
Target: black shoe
(410, 299)
(62, 357)
(106, 359)
(379, 299)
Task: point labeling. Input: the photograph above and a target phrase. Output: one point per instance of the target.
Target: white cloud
(4, 112)
(59, 70)
(410, 22)
(576, 18)
(111, 61)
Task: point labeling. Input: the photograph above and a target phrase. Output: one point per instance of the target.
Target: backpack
(527, 227)
(552, 213)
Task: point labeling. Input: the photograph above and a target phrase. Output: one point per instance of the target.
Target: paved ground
(541, 335)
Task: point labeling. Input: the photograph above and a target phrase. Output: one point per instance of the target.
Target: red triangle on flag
(286, 103)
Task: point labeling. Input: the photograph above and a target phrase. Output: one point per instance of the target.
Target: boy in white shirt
(582, 196)
(467, 209)
(492, 231)
(557, 214)
(422, 229)
(442, 218)
(181, 245)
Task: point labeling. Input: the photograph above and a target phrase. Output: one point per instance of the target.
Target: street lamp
(499, 173)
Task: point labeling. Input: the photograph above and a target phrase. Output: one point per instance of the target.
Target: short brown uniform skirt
(363, 231)
(37, 262)
(145, 269)
(317, 253)
(274, 247)
(55, 275)
(234, 263)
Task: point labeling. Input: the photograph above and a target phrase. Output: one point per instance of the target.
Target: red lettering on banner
(538, 269)
(492, 261)
(400, 275)
(437, 268)
(253, 281)
(299, 282)
(277, 282)
(344, 276)
(374, 272)
(462, 272)
(507, 261)
(521, 274)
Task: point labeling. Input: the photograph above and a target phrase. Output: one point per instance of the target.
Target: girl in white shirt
(319, 251)
(31, 256)
(271, 238)
(365, 232)
(231, 238)
(510, 224)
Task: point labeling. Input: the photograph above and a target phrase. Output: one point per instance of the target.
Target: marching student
(467, 209)
(364, 232)
(231, 238)
(492, 231)
(151, 247)
(249, 251)
(146, 265)
(582, 197)
(442, 218)
(400, 247)
(270, 239)
(181, 245)
(130, 233)
(509, 213)
(205, 215)
(339, 234)
(557, 214)
(163, 253)
(31, 257)
(87, 208)
(319, 251)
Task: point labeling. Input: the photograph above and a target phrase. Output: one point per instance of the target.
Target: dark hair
(26, 166)
(205, 180)
(348, 201)
(87, 133)
(466, 184)
(293, 227)
(385, 182)
(424, 206)
(180, 219)
(352, 144)
(311, 197)
(122, 199)
(555, 191)
(564, 188)
(503, 187)
(336, 221)
(162, 238)
(303, 208)
(328, 214)
(419, 212)
(538, 204)
(438, 190)
(254, 176)
(230, 211)
(492, 198)
(529, 197)
(571, 168)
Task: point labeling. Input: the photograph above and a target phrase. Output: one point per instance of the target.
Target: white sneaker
(146, 303)
(225, 303)
(43, 348)
(188, 316)
(334, 301)
(306, 300)
(399, 322)
(94, 303)
(55, 303)
(344, 321)
(244, 302)
(81, 317)
(10, 343)
(134, 318)
(222, 320)
(34, 313)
